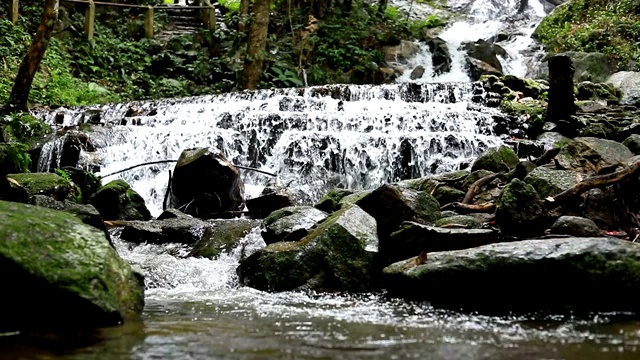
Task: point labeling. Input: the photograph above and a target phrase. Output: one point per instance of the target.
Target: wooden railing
(207, 14)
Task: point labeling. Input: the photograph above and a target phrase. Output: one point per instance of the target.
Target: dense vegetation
(611, 27)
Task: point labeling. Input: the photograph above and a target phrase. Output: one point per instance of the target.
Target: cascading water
(315, 138)
(505, 23)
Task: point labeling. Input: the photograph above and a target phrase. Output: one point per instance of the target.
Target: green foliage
(23, 128)
(608, 26)
(233, 5)
(14, 158)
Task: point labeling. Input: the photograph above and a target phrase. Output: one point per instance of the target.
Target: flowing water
(313, 139)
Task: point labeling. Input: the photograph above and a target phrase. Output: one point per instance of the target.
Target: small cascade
(314, 138)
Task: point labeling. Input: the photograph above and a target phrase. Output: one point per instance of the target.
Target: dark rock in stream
(118, 201)
(331, 201)
(262, 206)
(59, 273)
(576, 226)
(290, 223)
(340, 254)
(579, 274)
(498, 159)
(519, 210)
(222, 236)
(173, 230)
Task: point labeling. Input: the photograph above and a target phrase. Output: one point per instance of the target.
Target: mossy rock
(468, 221)
(87, 182)
(550, 182)
(222, 237)
(331, 201)
(48, 184)
(589, 154)
(14, 158)
(118, 201)
(633, 143)
(291, 223)
(447, 194)
(591, 91)
(64, 274)
(553, 139)
(500, 159)
(528, 87)
(521, 170)
(519, 210)
(475, 176)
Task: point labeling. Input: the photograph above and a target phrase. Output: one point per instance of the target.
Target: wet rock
(63, 274)
(447, 213)
(589, 154)
(486, 52)
(262, 206)
(519, 210)
(174, 230)
(555, 274)
(629, 83)
(591, 91)
(413, 238)
(598, 207)
(331, 201)
(417, 72)
(48, 184)
(552, 140)
(548, 182)
(498, 159)
(118, 201)
(633, 143)
(440, 57)
(400, 53)
(528, 87)
(477, 69)
(447, 194)
(205, 184)
(575, 226)
(173, 214)
(87, 182)
(521, 170)
(475, 176)
(290, 223)
(467, 221)
(338, 255)
(222, 236)
(391, 205)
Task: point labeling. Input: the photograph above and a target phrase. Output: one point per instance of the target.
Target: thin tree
(245, 5)
(257, 44)
(31, 61)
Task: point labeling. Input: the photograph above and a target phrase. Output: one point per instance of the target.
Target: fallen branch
(170, 161)
(547, 156)
(593, 182)
(469, 208)
(477, 186)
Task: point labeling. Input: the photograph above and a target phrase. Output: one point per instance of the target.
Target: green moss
(534, 110)
(14, 158)
(48, 184)
(117, 201)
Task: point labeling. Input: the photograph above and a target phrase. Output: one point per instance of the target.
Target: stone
(447, 194)
(290, 223)
(475, 176)
(63, 274)
(87, 183)
(413, 238)
(391, 205)
(486, 52)
(519, 210)
(205, 184)
(629, 84)
(589, 154)
(468, 221)
(552, 140)
(575, 226)
(440, 57)
(262, 206)
(561, 274)
(549, 182)
(633, 143)
(528, 87)
(400, 53)
(222, 236)
(173, 230)
(597, 91)
(477, 69)
(521, 170)
(48, 184)
(172, 214)
(417, 72)
(118, 201)
(331, 201)
(500, 159)
(340, 254)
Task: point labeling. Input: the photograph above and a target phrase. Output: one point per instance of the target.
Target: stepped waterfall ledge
(316, 138)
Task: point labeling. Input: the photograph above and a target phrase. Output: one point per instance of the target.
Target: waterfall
(314, 138)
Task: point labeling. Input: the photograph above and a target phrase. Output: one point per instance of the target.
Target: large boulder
(118, 201)
(478, 68)
(440, 57)
(222, 237)
(413, 238)
(486, 52)
(590, 155)
(61, 273)
(291, 223)
(331, 201)
(549, 182)
(500, 159)
(263, 205)
(48, 184)
(340, 254)
(519, 210)
(575, 226)
(400, 53)
(204, 184)
(588, 274)
(629, 83)
(391, 205)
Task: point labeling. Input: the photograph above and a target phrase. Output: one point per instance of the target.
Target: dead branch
(477, 186)
(547, 156)
(169, 161)
(593, 182)
(469, 208)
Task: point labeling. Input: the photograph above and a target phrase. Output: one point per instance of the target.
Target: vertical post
(89, 20)
(211, 20)
(148, 23)
(14, 11)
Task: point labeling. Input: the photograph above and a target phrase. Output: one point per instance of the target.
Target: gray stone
(469, 222)
(500, 159)
(629, 83)
(519, 210)
(576, 226)
(589, 154)
(549, 182)
(633, 143)
(291, 223)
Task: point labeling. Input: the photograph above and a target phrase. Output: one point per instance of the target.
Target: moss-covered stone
(521, 170)
(47, 184)
(591, 91)
(222, 236)
(519, 210)
(291, 223)
(500, 159)
(88, 183)
(553, 139)
(475, 176)
(447, 194)
(589, 154)
(552, 274)
(528, 87)
(339, 254)
(14, 158)
(118, 201)
(63, 273)
(469, 222)
(549, 182)
(633, 143)
(331, 201)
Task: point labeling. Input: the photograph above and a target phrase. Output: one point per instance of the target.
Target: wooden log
(561, 104)
(593, 182)
(14, 11)
(211, 18)
(148, 23)
(89, 20)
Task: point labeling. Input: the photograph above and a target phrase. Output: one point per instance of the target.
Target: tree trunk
(31, 62)
(561, 99)
(257, 44)
(244, 15)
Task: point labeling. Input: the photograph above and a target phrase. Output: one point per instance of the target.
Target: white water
(482, 19)
(314, 139)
